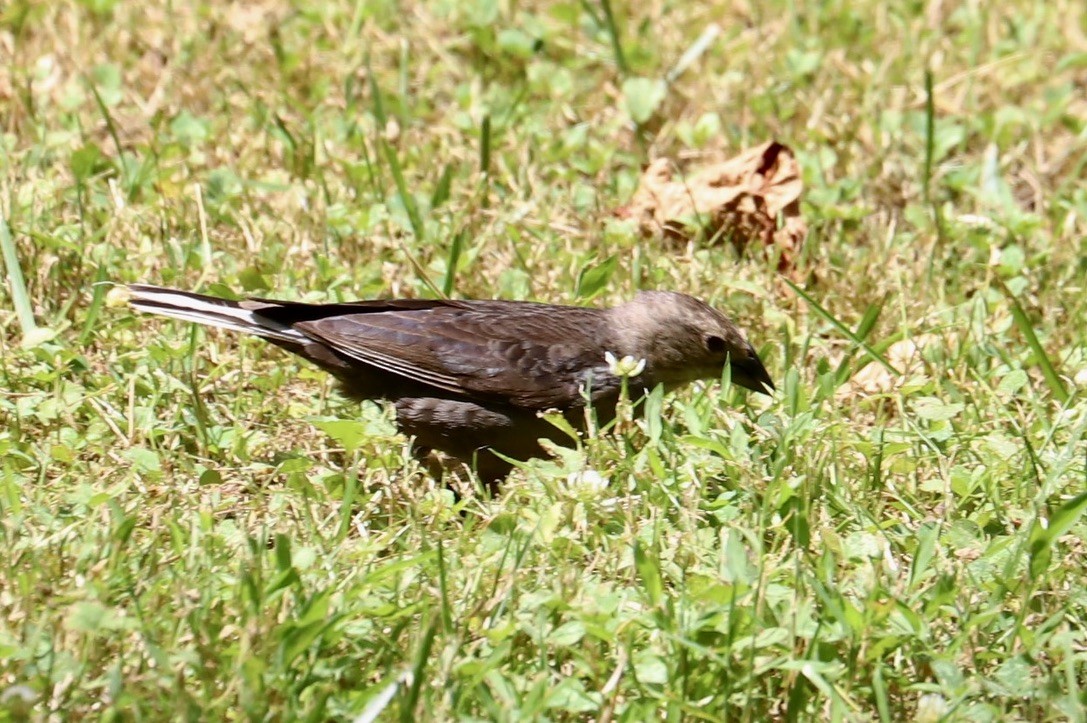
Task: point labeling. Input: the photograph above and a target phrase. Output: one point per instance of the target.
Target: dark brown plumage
(469, 377)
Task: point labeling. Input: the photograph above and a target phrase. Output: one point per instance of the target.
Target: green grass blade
(411, 697)
(455, 250)
(613, 35)
(1022, 322)
(485, 146)
(648, 567)
(930, 162)
(16, 283)
(111, 127)
(98, 300)
(1043, 536)
(442, 189)
(930, 137)
(1062, 520)
(443, 586)
(393, 160)
(864, 328)
(350, 489)
(818, 309)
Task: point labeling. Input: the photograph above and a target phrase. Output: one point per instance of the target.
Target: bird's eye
(715, 344)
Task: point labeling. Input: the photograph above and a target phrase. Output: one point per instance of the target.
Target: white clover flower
(628, 366)
(587, 481)
(931, 707)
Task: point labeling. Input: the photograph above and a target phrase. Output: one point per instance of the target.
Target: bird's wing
(529, 355)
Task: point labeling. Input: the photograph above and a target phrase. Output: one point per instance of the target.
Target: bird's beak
(751, 374)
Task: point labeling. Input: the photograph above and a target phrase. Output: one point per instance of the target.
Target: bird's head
(683, 339)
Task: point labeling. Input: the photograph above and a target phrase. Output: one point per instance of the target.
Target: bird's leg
(456, 474)
(427, 460)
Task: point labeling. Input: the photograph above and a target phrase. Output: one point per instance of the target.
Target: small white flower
(628, 366)
(931, 707)
(587, 481)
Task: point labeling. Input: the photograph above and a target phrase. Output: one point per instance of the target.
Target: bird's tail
(243, 316)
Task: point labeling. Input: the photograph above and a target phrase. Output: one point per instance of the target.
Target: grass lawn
(195, 526)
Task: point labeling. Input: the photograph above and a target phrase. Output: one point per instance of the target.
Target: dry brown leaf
(873, 378)
(739, 199)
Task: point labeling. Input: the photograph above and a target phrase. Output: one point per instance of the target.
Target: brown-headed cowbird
(470, 377)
